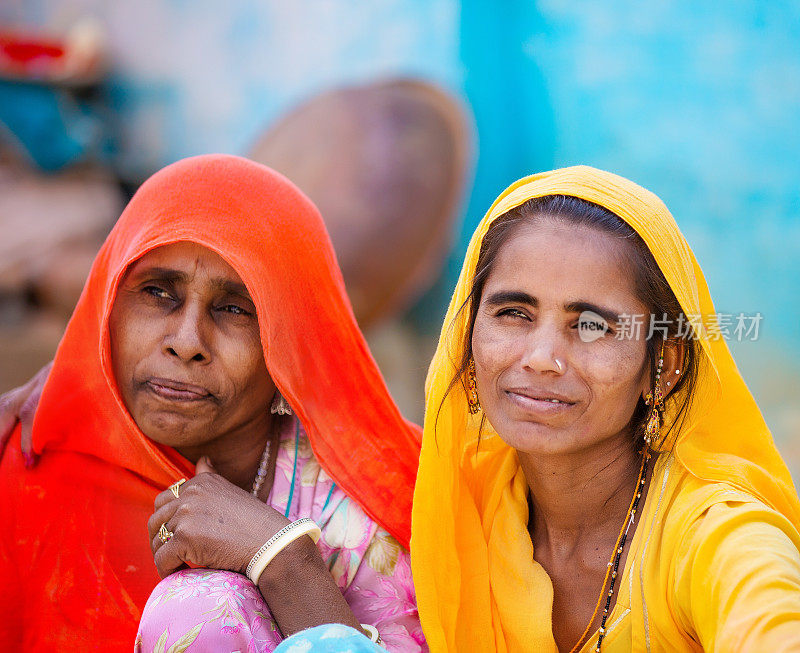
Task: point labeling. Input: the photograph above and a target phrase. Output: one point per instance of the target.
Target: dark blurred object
(386, 163)
(47, 95)
(50, 230)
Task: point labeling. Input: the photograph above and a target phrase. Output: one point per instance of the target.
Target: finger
(20, 405)
(162, 516)
(10, 404)
(26, 415)
(155, 542)
(166, 496)
(28, 412)
(168, 559)
(204, 466)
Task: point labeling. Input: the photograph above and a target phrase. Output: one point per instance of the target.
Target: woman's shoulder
(685, 497)
(693, 510)
(706, 546)
(54, 475)
(725, 567)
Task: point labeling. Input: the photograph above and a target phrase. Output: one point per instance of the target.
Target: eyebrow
(606, 313)
(511, 297)
(176, 276)
(232, 288)
(518, 297)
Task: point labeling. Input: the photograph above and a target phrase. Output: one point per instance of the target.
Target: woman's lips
(544, 404)
(176, 390)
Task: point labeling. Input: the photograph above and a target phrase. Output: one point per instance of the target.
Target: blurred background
(403, 119)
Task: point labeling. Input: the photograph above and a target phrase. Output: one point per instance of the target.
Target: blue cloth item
(333, 638)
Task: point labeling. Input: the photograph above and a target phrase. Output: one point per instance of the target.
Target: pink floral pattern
(210, 610)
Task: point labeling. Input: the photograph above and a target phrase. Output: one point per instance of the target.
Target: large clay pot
(386, 163)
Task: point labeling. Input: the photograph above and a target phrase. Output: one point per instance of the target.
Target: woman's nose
(544, 351)
(185, 339)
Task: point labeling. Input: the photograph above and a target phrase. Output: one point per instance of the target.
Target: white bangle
(278, 542)
(374, 635)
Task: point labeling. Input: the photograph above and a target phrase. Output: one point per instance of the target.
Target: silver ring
(560, 366)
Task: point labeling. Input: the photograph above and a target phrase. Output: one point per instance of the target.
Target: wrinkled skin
(186, 352)
(203, 534)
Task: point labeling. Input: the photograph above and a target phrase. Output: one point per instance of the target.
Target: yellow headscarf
(473, 583)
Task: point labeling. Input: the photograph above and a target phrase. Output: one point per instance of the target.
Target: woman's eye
(234, 309)
(155, 291)
(513, 312)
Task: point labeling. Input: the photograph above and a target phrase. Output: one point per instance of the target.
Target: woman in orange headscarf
(594, 473)
(216, 295)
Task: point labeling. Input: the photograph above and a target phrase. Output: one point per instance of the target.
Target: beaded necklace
(651, 433)
(262, 470)
(613, 565)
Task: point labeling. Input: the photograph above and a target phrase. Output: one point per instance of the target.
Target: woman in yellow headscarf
(594, 473)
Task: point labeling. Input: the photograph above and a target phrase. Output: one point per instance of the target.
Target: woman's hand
(214, 524)
(218, 525)
(20, 405)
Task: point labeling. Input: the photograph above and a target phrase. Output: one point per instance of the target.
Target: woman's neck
(580, 499)
(237, 454)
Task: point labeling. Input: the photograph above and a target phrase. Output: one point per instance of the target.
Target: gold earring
(656, 398)
(472, 389)
(279, 405)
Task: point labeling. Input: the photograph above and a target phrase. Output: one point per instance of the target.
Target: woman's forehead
(186, 261)
(553, 258)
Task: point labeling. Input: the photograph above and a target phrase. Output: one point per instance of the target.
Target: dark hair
(650, 284)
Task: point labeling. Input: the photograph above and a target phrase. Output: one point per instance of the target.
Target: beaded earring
(473, 403)
(656, 399)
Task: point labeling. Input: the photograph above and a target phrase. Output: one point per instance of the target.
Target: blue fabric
(294, 471)
(52, 126)
(333, 638)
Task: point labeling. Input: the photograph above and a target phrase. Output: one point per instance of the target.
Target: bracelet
(278, 542)
(374, 635)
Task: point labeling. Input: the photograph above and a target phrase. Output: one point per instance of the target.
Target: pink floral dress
(210, 610)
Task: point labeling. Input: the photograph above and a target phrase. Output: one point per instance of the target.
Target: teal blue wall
(700, 102)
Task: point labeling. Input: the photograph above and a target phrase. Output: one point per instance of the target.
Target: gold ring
(164, 535)
(176, 486)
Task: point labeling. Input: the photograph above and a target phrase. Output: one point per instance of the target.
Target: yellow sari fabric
(723, 490)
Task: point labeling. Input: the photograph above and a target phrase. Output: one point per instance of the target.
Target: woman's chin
(173, 430)
(538, 439)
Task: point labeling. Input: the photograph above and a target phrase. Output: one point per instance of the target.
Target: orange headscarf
(76, 567)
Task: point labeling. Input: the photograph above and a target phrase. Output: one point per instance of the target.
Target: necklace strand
(613, 565)
(261, 474)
